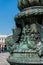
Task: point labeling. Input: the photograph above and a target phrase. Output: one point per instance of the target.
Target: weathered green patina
(27, 40)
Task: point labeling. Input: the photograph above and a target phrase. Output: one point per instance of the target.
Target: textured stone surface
(3, 58)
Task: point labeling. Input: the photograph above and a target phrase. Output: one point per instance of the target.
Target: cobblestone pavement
(3, 57)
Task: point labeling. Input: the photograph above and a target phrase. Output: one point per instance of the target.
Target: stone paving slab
(3, 57)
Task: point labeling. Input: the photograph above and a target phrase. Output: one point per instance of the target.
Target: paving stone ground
(3, 57)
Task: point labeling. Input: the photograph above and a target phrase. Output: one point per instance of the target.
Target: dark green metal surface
(26, 43)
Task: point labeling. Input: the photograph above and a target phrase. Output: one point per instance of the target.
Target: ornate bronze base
(27, 58)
